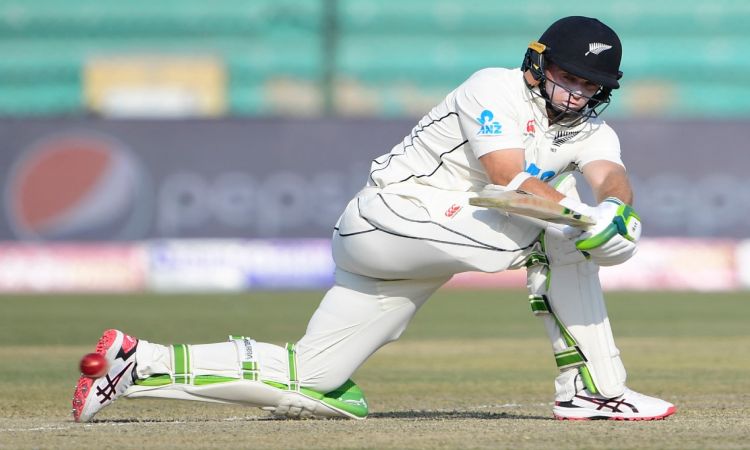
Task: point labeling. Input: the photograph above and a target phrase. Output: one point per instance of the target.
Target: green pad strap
(249, 368)
(588, 381)
(181, 364)
(535, 259)
(293, 381)
(570, 357)
(539, 304)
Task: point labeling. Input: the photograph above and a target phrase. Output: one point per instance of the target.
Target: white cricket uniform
(411, 228)
(420, 189)
(492, 110)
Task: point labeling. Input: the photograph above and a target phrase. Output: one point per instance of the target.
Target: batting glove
(613, 239)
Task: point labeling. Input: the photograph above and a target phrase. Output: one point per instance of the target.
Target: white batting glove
(613, 239)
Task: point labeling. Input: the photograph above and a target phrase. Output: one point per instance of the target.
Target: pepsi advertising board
(126, 180)
(77, 185)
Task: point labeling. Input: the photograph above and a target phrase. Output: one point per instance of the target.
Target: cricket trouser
(392, 249)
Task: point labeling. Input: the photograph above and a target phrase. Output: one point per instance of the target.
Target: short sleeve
(603, 144)
(487, 113)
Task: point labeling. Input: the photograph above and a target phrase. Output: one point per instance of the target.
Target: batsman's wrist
(614, 200)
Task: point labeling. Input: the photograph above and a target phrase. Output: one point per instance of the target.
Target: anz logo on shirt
(487, 126)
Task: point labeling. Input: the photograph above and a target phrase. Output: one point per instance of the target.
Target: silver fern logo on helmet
(597, 47)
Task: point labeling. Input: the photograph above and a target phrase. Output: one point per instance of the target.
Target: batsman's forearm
(540, 188)
(615, 185)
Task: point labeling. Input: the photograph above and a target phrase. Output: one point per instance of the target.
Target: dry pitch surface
(473, 371)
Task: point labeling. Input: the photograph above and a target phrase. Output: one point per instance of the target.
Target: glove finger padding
(624, 221)
(613, 252)
(613, 240)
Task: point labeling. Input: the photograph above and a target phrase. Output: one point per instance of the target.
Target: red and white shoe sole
(83, 387)
(666, 414)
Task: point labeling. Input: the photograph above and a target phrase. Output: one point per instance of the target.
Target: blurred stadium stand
(365, 57)
(247, 202)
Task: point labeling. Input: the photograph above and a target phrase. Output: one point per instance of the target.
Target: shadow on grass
(411, 415)
(447, 415)
(187, 420)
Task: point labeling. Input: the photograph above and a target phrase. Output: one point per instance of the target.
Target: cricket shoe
(93, 394)
(629, 406)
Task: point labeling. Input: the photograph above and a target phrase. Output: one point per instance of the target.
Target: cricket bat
(529, 205)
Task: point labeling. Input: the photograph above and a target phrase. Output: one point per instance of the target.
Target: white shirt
(491, 111)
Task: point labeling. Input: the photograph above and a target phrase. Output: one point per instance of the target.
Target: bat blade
(530, 205)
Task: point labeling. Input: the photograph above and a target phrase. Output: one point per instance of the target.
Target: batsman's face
(567, 91)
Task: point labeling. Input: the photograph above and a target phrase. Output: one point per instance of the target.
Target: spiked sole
(666, 414)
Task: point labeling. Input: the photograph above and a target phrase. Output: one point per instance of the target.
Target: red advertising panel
(72, 267)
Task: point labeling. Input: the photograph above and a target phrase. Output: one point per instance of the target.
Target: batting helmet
(584, 47)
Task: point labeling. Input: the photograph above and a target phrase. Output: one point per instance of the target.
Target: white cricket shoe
(93, 394)
(629, 406)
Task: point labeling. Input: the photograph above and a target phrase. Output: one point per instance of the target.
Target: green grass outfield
(474, 370)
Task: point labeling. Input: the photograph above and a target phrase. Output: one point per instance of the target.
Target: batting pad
(292, 404)
(568, 297)
(229, 373)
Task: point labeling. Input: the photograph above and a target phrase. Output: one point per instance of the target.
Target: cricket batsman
(411, 228)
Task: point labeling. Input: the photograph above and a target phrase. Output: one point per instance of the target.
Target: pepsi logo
(78, 186)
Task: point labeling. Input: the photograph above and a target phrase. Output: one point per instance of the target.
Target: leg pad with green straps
(565, 292)
(245, 387)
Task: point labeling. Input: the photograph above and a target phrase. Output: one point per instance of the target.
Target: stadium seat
(383, 47)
